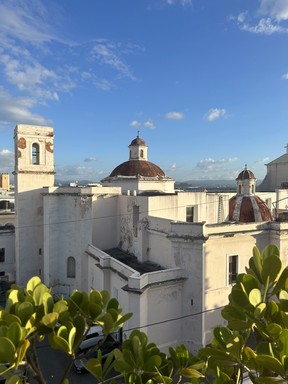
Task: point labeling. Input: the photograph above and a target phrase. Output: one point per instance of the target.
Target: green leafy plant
(254, 342)
(31, 315)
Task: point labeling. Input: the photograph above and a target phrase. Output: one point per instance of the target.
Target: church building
(168, 256)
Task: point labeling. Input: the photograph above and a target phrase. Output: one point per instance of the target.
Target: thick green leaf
(270, 363)
(96, 298)
(113, 303)
(108, 323)
(14, 380)
(239, 298)
(32, 284)
(50, 320)
(283, 343)
(281, 281)
(248, 282)
(21, 351)
(48, 302)
(260, 310)
(152, 363)
(271, 268)
(9, 319)
(60, 343)
(7, 350)
(15, 333)
(274, 330)
(94, 310)
(105, 297)
(24, 311)
(122, 319)
(80, 325)
(94, 366)
(222, 335)
(256, 263)
(255, 297)
(270, 250)
(71, 339)
(39, 292)
(190, 373)
(60, 306)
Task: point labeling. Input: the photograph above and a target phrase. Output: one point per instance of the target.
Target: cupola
(245, 206)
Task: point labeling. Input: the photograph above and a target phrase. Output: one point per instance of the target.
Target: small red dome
(248, 209)
(137, 167)
(138, 141)
(246, 175)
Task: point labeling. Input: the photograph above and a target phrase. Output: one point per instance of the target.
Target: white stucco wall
(67, 231)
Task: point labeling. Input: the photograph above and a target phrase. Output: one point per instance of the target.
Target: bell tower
(34, 169)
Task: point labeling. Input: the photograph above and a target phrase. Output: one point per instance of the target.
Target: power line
(120, 215)
(175, 319)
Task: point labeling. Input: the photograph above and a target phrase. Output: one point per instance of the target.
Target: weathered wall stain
(49, 146)
(22, 143)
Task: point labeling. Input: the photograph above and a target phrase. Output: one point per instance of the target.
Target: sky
(205, 82)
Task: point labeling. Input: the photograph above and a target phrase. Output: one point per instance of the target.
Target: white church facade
(169, 256)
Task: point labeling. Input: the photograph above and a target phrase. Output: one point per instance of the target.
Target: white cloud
(146, 124)
(91, 158)
(174, 116)
(268, 18)
(135, 124)
(31, 51)
(109, 53)
(264, 27)
(26, 21)
(184, 3)
(209, 163)
(17, 110)
(216, 169)
(262, 161)
(285, 76)
(75, 172)
(276, 9)
(6, 160)
(173, 167)
(216, 113)
(149, 124)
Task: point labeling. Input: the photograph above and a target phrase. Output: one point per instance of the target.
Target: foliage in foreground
(254, 342)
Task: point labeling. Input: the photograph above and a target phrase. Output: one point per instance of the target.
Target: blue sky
(204, 81)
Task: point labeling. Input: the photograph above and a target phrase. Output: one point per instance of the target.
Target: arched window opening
(71, 267)
(141, 153)
(35, 154)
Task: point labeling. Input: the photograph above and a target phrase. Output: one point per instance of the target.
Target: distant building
(168, 256)
(245, 206)
(277, 174)
(138, 174)
(5, 181)
(7, 231)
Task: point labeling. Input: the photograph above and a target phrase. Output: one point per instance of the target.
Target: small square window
(2, 255)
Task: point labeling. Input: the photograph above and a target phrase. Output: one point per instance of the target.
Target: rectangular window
(190, 214)
(2, 255)
(233, 269)
(135, 219)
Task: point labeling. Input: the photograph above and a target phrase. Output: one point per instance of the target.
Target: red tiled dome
(245, 175)
(137, 167)
(248, 209)
(138, 141)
